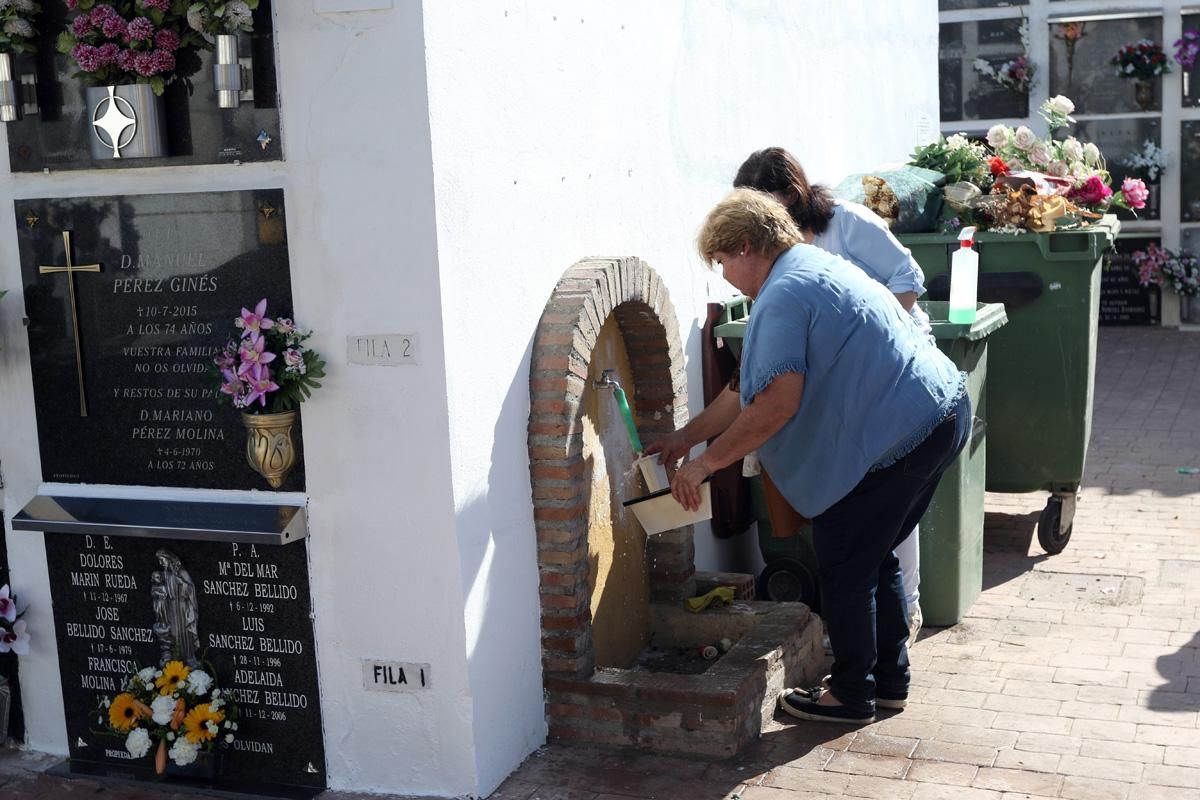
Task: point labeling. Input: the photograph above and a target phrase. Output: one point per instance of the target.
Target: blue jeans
(862, 594)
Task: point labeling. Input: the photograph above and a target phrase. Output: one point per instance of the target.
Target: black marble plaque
(174, 271)
(1119, 138)
(255, 628)
(1092, 82)
(1122, 300)
(198, 131)
(965, 93)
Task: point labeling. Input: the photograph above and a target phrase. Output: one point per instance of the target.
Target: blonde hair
(747, 215)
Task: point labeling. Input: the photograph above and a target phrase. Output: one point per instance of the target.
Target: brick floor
(1073, 676)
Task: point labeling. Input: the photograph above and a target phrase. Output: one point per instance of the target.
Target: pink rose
(1135, 192)
(1091, 192)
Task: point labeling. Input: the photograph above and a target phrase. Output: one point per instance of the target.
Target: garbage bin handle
(1053, 246)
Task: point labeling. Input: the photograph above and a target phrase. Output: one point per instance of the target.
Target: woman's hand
(670, 448)
(685, 487)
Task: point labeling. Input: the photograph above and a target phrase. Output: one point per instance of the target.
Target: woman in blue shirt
(860, 236)
(854, 413)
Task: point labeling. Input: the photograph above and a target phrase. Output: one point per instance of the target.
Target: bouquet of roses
(123, 42)
(1142, 60)
(14, 633)
(268, 365)
(177, 710)
(17, 34)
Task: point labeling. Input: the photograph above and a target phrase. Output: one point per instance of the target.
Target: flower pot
(10, 105)
(126, 122)
(1143, 93)
(269, 447)
(227, 71)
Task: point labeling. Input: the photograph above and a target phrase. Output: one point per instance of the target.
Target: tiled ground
(1074, 676)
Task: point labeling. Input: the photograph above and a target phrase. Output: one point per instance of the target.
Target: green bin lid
(732, 330)
(989, 317)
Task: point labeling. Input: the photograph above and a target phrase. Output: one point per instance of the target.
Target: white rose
(1059, 169)
(957, 142)
(1072, 150)
(1091, 153)
(163, 708)
(1024, 138)
(1040, 153)
(999, 136)
(138, 742)
(1061, 105)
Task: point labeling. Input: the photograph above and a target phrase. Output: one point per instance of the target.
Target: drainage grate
(1083, 590)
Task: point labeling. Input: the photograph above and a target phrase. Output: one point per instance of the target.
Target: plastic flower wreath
(213, 17)
(1142, 60)
(178, 707)
(122, 42)
(14, 632)
(17, 34)
(268, 366)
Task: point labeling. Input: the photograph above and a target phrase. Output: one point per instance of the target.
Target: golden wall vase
(269, 447)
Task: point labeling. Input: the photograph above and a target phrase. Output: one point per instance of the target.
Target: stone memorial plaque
(1117, 140)
(251, 626)
(1190, 85)
(1189, 165)
(1091, 82)
(965, 93)
(55, 131)
(1123, 301)
(122, 345)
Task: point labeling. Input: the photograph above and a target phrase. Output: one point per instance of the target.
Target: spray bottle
(964, 277)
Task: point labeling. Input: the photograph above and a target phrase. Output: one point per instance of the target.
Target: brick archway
(586, 295)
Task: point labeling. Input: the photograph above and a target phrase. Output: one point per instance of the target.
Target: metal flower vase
(10, 104)
(126, 122)
(270, 450)
(227, 71)
(1143, 93)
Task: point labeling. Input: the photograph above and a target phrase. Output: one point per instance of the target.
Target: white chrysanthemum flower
(198, 682)
(1091, 153)
(1024, 138)
(162, 709)
(195, 21)
(183, 752)
(999, 136)
(146, 674)
(138, 742)
(957, 142)
(1072, 149)
(211, 727)
(19, 27)
(238, 16)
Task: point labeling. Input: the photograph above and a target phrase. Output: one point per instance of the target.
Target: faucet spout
(606, 380)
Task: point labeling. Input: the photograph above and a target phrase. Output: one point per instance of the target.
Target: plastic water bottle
(964, 277)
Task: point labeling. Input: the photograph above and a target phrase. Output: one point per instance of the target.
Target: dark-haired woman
(860, 236)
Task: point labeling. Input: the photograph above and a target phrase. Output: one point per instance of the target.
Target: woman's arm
(869, 241)
(767, 413)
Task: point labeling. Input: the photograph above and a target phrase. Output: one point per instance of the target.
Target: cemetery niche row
(62, 123)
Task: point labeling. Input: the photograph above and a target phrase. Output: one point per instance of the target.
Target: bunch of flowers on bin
(1143, 60)
(122, 42)
(1021, 181)
(17, 34)
(177, 711)
(14, 631)
(214, 17)
(268, 365)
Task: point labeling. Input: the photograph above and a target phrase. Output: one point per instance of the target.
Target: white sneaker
(915, 621)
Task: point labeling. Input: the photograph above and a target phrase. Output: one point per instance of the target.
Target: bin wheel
(1053, 535)
(787, 581)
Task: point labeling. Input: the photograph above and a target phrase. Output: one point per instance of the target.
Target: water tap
(606, 380)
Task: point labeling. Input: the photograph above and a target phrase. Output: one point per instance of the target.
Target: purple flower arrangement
(131, 41)
(1187, 48)
(267, 368)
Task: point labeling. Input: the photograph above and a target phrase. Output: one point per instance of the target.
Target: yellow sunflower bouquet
(178, 711)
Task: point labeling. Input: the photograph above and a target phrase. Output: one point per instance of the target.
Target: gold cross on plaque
(71, 269)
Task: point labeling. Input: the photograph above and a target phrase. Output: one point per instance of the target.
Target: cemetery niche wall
(128, 299)
(60, 116)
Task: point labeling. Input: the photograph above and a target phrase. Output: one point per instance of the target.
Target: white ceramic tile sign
(382, 349)
(394, 676)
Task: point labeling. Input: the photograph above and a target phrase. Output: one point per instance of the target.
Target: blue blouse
(875, 385)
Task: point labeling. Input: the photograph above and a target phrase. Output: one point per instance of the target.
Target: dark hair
(776, 170)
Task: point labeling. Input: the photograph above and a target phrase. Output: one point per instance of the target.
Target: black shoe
(803, 703)
(883, 697)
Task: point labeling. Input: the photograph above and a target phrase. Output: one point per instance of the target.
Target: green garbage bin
(1042, 363)
(952, 528)
(790, 571)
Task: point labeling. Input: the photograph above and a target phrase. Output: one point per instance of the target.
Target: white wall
(565, 130)
(608, 130)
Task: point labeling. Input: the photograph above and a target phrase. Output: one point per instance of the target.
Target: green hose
(623, 405)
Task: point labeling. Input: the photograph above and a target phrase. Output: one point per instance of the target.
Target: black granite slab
(1123, 301)
(255, 627)
(175, 269)
(198, 132)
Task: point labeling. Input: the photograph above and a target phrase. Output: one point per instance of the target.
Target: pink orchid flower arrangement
(121, 42)
(267, 368)
(14, 632)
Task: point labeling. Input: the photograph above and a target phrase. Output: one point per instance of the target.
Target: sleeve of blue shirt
(780, 346)
(869, 242)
